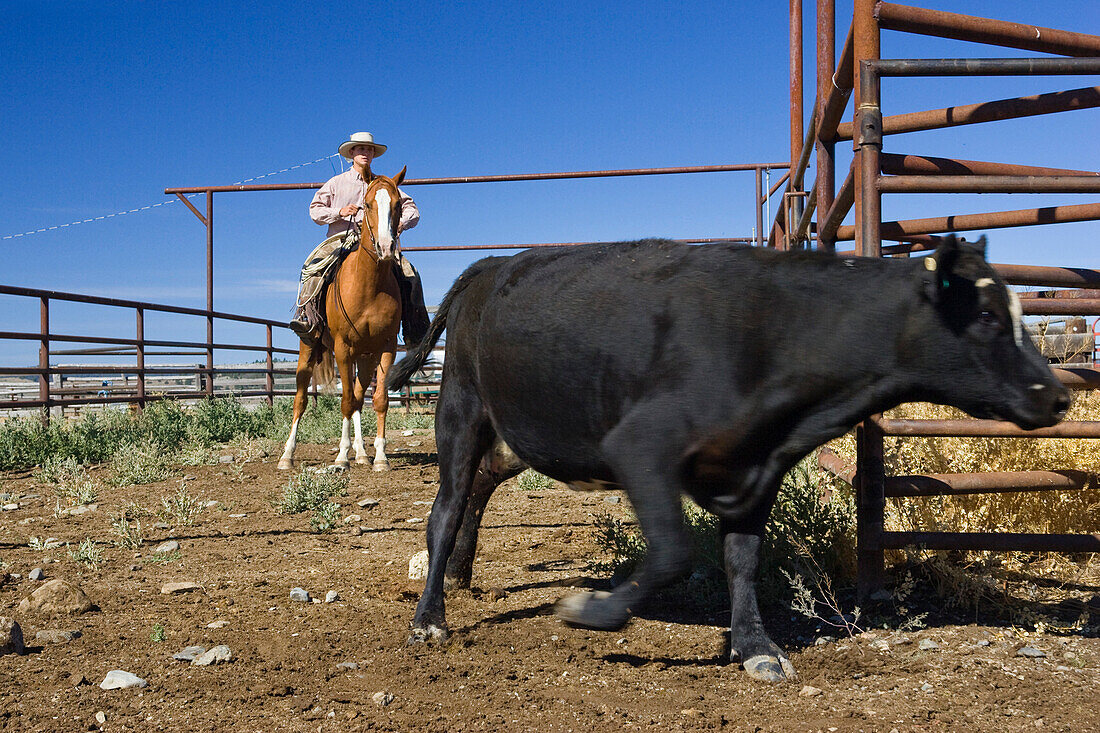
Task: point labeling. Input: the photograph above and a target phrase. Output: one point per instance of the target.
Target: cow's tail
(414, 360)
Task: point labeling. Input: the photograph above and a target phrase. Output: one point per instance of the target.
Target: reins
(377, 253)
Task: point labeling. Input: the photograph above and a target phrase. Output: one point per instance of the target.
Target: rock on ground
(217, 655)
(189, 654)
(418, 566)
(56, 636)
(185, 586)
(55, 598)
(11, 637)
(118, 679)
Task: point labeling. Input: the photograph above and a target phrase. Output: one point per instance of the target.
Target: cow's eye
(989, 319)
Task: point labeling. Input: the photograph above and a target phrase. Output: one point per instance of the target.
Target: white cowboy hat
(361, 138)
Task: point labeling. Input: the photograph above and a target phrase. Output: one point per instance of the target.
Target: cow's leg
(381, 407)
(497, 465)
(348, 406)
(302, 376)
(749, 643)
(640, 459)
(462, 434)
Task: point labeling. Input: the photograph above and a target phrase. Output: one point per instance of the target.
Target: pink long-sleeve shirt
(350, 188)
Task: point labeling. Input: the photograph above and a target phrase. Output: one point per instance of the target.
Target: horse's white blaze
(357, 421)
(385, 235)
(345, 442)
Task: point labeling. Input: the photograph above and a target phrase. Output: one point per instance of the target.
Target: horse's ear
(399, 177)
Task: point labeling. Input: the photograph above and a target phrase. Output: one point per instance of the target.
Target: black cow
(668, 369)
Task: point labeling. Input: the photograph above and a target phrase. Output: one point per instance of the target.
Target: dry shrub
(1022, 586)
(1044, 511)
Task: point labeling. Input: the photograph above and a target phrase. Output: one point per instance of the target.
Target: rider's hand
(349, 211)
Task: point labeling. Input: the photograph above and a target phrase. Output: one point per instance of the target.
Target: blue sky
(109, 103)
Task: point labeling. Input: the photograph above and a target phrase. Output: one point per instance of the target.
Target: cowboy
(339, 204)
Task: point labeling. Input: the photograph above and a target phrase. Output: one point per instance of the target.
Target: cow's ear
(938, 267)
(982, 244)
(400, 176)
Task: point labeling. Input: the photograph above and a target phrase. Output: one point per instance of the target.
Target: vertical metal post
(270, 370)
(44, 358)
(210, 293)
(794, 206)
(870, 509)
(140, 358)
(825, 151)
(760, 200)
(865, 45)
(869, 140)
(870, 492)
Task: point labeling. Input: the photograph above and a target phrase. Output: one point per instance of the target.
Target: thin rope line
(162, 203)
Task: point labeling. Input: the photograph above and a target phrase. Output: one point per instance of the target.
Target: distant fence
(77, 385)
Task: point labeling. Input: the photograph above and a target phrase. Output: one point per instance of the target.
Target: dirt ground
(510, 666)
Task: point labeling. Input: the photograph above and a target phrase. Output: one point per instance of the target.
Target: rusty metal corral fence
(814, 218)
(142, 382)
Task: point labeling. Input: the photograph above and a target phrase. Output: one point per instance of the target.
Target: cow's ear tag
(930, 263)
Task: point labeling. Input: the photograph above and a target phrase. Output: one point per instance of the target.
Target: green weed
(310, 489)
(87, 553)
(181, 509)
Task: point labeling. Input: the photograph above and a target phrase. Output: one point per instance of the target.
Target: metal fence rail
(874, 173)
(205, 375)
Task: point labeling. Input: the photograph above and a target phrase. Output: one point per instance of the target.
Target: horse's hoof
(341, 466)
(764, 668)
(285, 464)
(587, 609)
(431, 635)
(362, 460)
(381, 465)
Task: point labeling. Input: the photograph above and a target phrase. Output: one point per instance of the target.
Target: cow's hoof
(456, 583)
(285, 464)
(764, 668)
(431, 634)
(381, 465)
(591, 610)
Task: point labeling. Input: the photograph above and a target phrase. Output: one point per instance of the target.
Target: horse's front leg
(302, 378)
(348, 407)
(364, 368)
(381, 406)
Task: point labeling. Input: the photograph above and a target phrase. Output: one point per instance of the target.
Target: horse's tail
(414, 360)
(324, 374)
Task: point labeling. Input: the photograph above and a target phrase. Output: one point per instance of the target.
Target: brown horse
(363, 315)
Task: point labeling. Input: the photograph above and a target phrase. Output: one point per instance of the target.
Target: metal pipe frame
(960, 484)
(973, 114)
(917, 165)
(982, 429)
(987, 184)
(942, 175)
(891, 16)
(970, 222)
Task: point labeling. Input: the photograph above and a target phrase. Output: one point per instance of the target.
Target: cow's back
(567, 340)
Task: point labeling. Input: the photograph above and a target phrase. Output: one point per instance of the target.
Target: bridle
(377, 253)
(374, 239)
